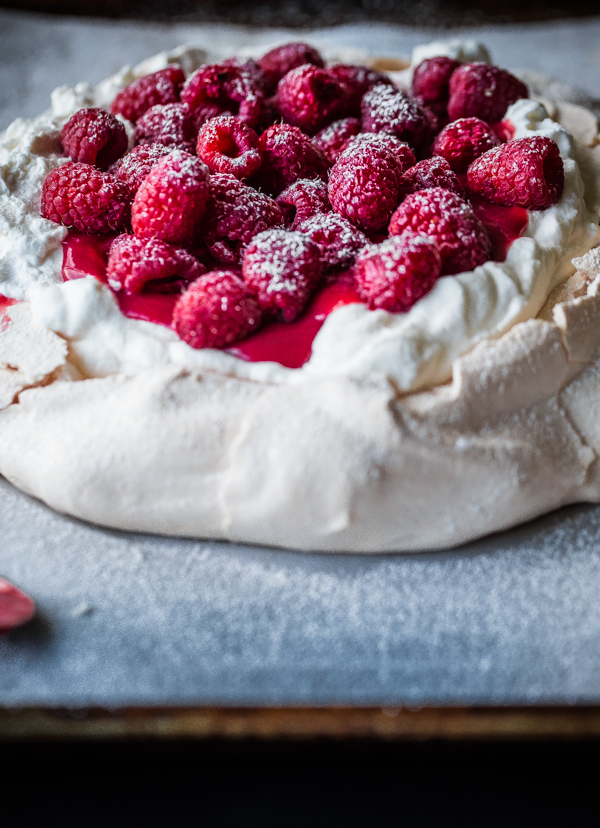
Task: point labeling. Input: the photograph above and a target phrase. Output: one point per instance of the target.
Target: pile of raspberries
(251, 183)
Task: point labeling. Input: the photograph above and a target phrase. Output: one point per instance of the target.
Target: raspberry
(395, 274)
(461, 238)
(482, 91)
(135, 166)
(229, 87)
(250, 68)
(281, 60)
(462, 141)
(365, 180)
(282, 268)
(205, 112)
(402, 154)
(168, 124)
(235, 214)
(270, 115)
(226, 145)
(216, 310)
(309, 97)
(161, 87)
(16, 607)
(287, 156)
(133, 263)
(527, 172)
(430, 83)
(303, 199)
(357, 81)
(80, 196)
(337, 239)
(332, 139)
(172, 199)
(94, 136)
(386, 109)
(431, 172)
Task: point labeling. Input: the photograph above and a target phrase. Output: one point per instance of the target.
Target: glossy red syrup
(290, 343)
(504, 224)
(5, 303)
(505, 130)
(88, 255)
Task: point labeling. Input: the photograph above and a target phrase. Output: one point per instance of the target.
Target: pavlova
(310, 305)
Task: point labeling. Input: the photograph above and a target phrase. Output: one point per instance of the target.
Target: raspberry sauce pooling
(289, 344)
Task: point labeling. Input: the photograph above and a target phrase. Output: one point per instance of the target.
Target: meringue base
(334, 464)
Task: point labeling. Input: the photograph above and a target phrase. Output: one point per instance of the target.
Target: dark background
(319, 784)
(320, 12)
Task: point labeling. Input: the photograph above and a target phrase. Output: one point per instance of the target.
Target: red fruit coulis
(504, 224)
(289, 344)
(5, 303)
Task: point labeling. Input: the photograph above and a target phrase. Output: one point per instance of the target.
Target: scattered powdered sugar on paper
(207, 623)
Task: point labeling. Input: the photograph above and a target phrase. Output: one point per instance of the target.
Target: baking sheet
(132, 619)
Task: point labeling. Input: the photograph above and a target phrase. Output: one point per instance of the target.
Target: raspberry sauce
(504, 224)
(85, 255)
(5, 303)
(289, 343)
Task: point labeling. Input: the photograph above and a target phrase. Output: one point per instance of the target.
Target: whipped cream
(414, 350)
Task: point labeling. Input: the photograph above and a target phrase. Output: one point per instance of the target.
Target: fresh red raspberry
(527, 172)
(134, 263)
(281, 60)
(365, 180)
(282, 268)
(216, 310)
(161, 87)
(461, 238)
(395, 274)
(288, 155)
(168, 124)
(205, 112)
(430, 83)
(483, 91)
(80, 196)
(386, 109)
(431, 172)
(135, 166)
(337, 239)
(332, 139)
(402, 154)
(226, 145)
(171, 200)
(229, 87)
(250, 68)
(270, 115)
(462, 141)
(303, 199)
(94, 136)
(357, 81)
(235, 214)
(436, 122)
(309, 97)
(16, 607)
